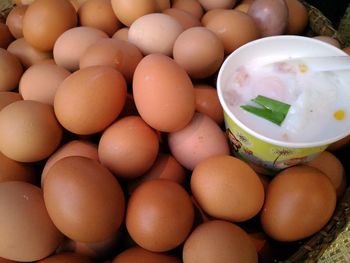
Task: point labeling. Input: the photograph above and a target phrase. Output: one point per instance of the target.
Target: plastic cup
(264, 154)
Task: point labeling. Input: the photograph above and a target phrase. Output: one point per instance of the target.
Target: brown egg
(7, 97)
(190, 6)
(207, 102)
(77, 3)
(66, 258)
(29, 131)
(3, 260)
(26, 230)
(165, 167)
(233, 28)
(163, 93)
(11, 170)
(330, 165)
(140, 255)
(339, 144)
(11, 70)
(72, 148)
(72, 44)
(97, 250)
(208, 16)
(83, 199)
(159, 215)
(40, 82)
(235, 193)
(199, 51)
(23, 2)
(116, 53)
(128, 11)
(328, 40)
(219, 241)
(299, 202)
(5, 36)
(224, 4)
(271, 16)
(163, 4)
(297, 17)
(185, 19)
(129, 147)
(200, 139)
(243, 5)
(122, 34)
(27, 54)
(99, 14)
(90, 99)
(347, 50)
(59, 16)
(14, 20)
(164, 28)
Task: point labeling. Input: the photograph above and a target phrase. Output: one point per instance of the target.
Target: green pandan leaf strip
(271, 110)
(271, 104)
(269, 115)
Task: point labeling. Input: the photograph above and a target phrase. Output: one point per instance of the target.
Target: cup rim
(254, 133)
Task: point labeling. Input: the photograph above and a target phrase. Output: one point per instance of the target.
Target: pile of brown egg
(112, 138)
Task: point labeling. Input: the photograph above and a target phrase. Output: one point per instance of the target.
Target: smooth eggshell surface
(271, 16)
(119, 54)
(128, 147)
(224, 4)
(40, 82)
(11, 170)
(233, 28)
(128, 11)
(297, 17)
(5, 36)
(199, 51)
(14, 20)
(66, 258)
(185, 19)
(205, 244)
(200, 139)
(331, 166)
(26, 53)
(23, 214)
(155, 33)
(104, 19)
(72, 44)
(207, 102)
(190, 6)
(75, 189)
(299, 202)
(140, 255)
(166, 167)
(163, 93)
(45, 20)
(159, 215)
(90, 99)
(72, 148)
(11, 70)
(227, 188)
(7, 97)
(29, 131)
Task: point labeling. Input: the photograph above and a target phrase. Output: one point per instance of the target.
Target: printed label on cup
(264, 157)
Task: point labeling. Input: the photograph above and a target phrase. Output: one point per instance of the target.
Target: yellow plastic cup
(264, 154)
